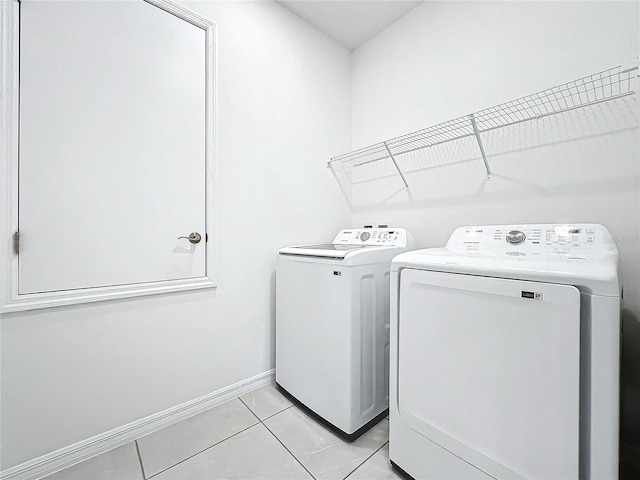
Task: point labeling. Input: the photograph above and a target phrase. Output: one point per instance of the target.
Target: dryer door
(488, 368)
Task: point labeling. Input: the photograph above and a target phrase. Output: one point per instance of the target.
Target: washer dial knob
(364, 236)
(515, 237)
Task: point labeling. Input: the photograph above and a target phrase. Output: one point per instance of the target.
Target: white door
(488, 369)
(112, 145)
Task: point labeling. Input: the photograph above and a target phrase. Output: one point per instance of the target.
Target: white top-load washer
(505, 355)
(332, 325)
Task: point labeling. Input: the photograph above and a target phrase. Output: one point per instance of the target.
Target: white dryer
(505, 355)
(332, 325)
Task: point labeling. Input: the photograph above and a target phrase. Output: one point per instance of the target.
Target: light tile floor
(259, 435)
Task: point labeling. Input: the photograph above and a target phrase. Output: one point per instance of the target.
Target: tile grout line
(261, 420)
(265, 418)
(249, 408)
(275, 436)
(203, 450)
(144, 475)
(277, 413)
(365, 460)
(290, 453)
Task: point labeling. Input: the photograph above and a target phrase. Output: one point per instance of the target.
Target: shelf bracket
(406, 185)
(484, 155)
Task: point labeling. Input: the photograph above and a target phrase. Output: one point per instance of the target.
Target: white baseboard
(78, 452)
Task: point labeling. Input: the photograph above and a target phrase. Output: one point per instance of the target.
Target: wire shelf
(599, 87)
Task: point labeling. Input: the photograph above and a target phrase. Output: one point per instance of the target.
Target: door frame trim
(10, 298)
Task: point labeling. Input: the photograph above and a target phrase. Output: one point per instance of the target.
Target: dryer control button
(514, 237)
(364, 236)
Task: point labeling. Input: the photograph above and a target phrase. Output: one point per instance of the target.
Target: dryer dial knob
(364, 236)
(515, 237)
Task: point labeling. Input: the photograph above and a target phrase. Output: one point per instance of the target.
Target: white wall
(283, 100)
(283, 106)
(447, 59)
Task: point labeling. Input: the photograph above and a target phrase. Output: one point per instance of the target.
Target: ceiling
(350, 23)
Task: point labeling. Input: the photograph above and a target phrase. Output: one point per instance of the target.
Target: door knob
(194, 237)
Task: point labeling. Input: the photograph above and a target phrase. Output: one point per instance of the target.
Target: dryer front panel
(488, 368)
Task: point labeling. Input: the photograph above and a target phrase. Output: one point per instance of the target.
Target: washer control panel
(529, 239)
(372, 236)
(574, 235)
(516, 237)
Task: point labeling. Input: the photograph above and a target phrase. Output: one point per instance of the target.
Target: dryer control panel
(535, 238)
(396, 237)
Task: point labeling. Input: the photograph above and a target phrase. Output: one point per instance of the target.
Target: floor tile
(377, 467)
(165, 448)
(118, 464)
(266, 401)
(325, 455)
(252, 454)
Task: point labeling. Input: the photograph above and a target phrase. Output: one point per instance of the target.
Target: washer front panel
(488, 368)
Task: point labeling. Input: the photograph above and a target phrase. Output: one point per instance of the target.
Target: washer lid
(358, 242)
(330, 250)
